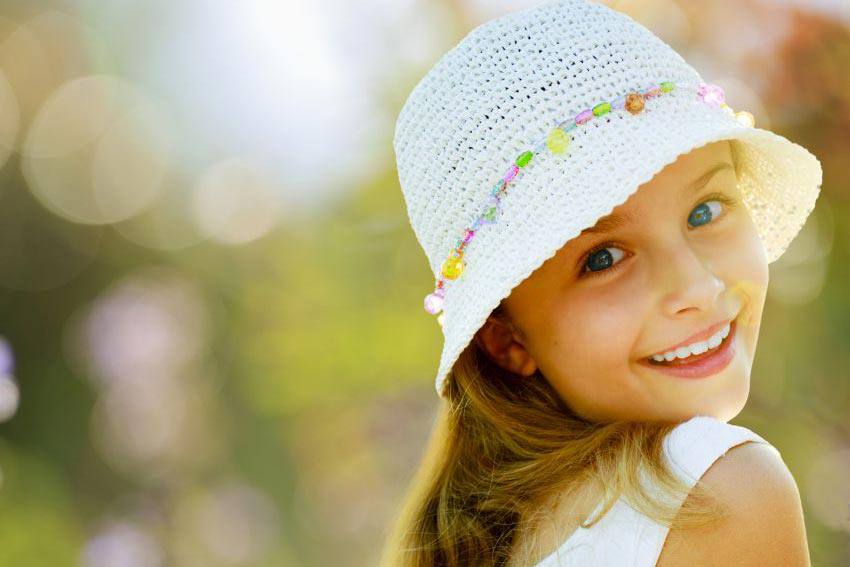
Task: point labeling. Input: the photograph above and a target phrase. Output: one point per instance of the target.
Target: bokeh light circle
(97, 151)
(235, 201)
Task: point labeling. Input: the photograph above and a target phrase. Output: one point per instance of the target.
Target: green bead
(523, 159)
(490, 214)
(602, 108)
(557, 141)
(667, 86)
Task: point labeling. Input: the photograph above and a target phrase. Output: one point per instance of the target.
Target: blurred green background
(214, 351)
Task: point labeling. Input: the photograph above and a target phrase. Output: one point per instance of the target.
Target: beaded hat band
(557, 141)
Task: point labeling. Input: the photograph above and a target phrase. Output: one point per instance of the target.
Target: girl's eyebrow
(614, 221)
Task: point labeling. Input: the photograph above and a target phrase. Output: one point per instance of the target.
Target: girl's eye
(599, 259)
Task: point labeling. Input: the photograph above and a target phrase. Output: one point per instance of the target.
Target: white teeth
(695, 348)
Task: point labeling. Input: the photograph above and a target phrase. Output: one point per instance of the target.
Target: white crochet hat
(539, 122)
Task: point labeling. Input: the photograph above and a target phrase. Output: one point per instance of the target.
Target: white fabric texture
(503, 87)
(625, 537)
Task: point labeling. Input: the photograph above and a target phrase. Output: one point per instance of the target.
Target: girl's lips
(706, 364)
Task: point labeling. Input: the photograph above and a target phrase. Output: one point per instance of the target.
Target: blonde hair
(502, 447)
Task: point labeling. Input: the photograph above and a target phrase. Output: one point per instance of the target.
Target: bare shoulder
(765, 524)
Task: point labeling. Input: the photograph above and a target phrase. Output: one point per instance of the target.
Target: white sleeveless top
(626, 538)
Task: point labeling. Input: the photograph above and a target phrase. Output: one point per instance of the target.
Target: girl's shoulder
(764, 525)
(694, 445)
(735, 458)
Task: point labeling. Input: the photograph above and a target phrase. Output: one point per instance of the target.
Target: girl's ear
(502, 344)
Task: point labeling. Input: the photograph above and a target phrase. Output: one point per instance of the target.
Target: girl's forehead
(693, 162)
(677, 181)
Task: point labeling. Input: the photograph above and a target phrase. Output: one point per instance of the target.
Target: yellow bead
(745, 118)
(557, 141)
(453, 267)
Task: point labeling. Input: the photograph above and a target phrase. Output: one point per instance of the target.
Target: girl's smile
(702, 365)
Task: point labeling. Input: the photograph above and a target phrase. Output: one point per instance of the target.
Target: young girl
(600, 224)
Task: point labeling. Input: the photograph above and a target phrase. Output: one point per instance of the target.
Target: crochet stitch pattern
(557, 141)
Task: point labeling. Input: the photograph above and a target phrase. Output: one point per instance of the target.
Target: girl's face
(686, 258)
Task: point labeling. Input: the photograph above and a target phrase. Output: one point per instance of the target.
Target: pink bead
(711, 94)
(468, 236)
(433, 303)
(511, 173)
(584, 116)
(652, 91)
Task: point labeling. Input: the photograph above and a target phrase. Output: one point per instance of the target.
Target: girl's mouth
(701, 365)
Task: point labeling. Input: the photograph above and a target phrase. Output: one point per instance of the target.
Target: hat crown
(505, 84)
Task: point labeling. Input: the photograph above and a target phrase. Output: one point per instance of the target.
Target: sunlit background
(213, 350)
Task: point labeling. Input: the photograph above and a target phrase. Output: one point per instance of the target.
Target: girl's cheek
(745, 250)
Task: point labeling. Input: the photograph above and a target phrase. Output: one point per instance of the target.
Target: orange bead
(634, 102)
